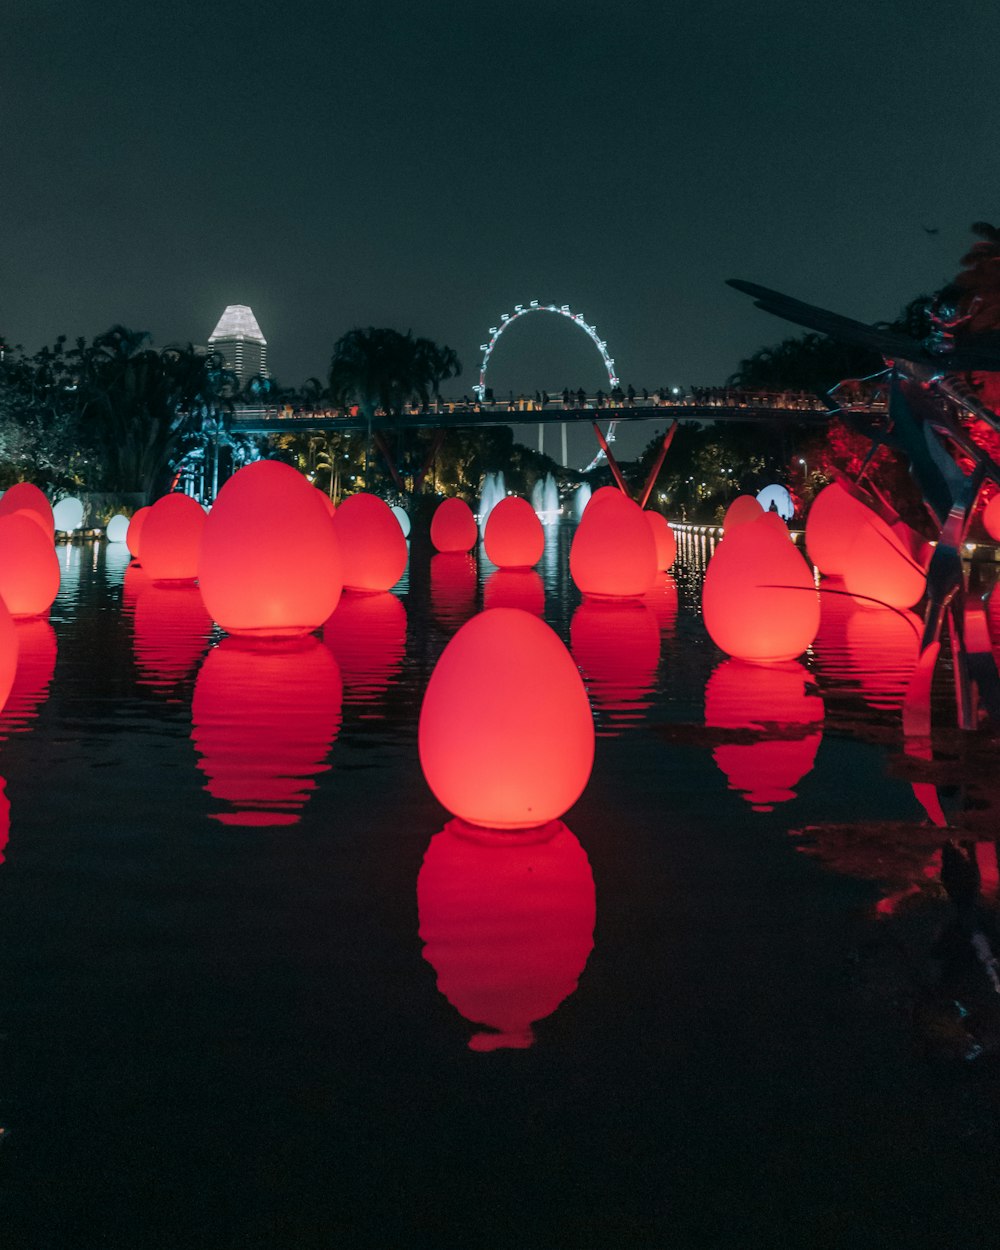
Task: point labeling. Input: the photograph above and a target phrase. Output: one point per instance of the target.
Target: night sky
(430, 166)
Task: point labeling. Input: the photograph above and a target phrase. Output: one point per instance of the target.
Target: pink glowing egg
(663, 536)
(453, 588)
(327, 502)
(879, 568)
(29, 566)
(613, 552)
(616, 645)
(133, 535)
(8, 653)
(270, 563)
(505, 767)
(171, 539)
(26, 497)
(371, 543)
(991, 518)
(515, 588)
(743, 508)
(602, 495)
(367, 635)
(507, 924)
(831, 526)
(514, 537)
(758, 599)
(453, 527)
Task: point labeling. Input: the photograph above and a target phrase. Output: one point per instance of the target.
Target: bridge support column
(565, 453)
(541, 439)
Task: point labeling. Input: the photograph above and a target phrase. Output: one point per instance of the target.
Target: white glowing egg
(402, 517)
(68, 515)
(117, 528)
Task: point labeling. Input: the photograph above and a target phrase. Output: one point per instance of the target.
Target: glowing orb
(371, 543)
(171, 539)
(270, 561)
(743, 508)
(779, 496)
(172, 628)
(133, 535)
(67, 515)
(514, 537)
(613, 552)
(117, 528)
(26, 497)
(758, 599)
(507, 924)
(8, 653)
(831, 526)
(515, 588)
(616, 645)
(453, 527)
(29, 566)
(367, 635)
(508, 769)
(663, 536)
(402, 516)
(878, 567)
(453, 588)
(601, 495)
(991, 518)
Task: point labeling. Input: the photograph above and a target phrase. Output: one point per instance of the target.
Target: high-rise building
(238, 338)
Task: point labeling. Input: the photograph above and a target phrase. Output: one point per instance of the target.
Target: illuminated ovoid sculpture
(133, 535)
(991, 518)
(371, 543)
(29, 566)
(172, 628)
(833, 521)
(26, 497)
(367, 635)
(879, 567)
(616, 645)
(453, 588)
(613, 552)
(663, 536)
(507, 768)
(758, 598)
(743, 508)
(514, 537)
(453, 527)
(8, 654)
(67, 515)
(264, 717)
(36, 663)
(171, 539)
(117, 528)
(515, 588)
(327, 502)
(662, 602)
(271, 563)
(772, 698)
(507, 923)
(403, 517)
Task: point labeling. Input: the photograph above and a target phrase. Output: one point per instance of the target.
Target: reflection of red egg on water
(878, 567)
(171, 628)
(453, 588)
(752, 696)
(515, 588)
(453, 527)
(133, 535)
(264, 717)
(507, 923)
(29, 566)
(662, 602)
(367, 634)
(744, 508)
(134, 582)
(616, 645)
(514, 537)
(663, 536)
(758, 599)
(4, 818)
(36, 664)
(613, 553)
(882, 647)
(27, 498)
(524, 756)
(171, 539)
(371, 543)
(8, 653)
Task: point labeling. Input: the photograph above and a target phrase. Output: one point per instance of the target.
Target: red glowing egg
(526, 755)
(879, 568)
(758, 599)
(662, 602)
(133, 535)
(507, 924)
(26, 497)
(264, 717)
(663, 536)
(453, 588)
(327, 502)
(616, 645)
(36, 664)
(29, 566)
(613, 553)
(270, 562)
(171, 539)
(172, 628)
(514, 537)
(453, 527)
(515, 588)
(371, 542)
(743, 508)
(367, 635)
(601, 496)
(773, 699)
(833, 521)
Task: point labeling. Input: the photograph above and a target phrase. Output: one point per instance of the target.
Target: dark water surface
(218, 1023)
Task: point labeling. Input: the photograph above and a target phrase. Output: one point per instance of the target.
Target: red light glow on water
(869, 649)
(454, 586)
(171, 629)
(616, 644)
(514, 537)
(36, 664)
(515, 588)
(367, 634)
(507, 924)
(662, 602)
(29, 566)
(453, 527)
(371, 543)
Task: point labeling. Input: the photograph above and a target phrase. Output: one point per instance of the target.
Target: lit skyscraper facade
(238, 338)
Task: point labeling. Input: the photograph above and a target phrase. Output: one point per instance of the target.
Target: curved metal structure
(562, 310)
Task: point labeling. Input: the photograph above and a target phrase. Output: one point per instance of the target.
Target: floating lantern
(758, 599)
(663, 536)
(453, 588)
(776, 498)
(833, 521)
(172, 628)
(367, 635)
(514, 537)
(371, 542)
(171, 539)
(36, 664)
(507, 924)
(743, 696)
(515, 588)
(264, 717)
(270, 562)
(133, 534)
(67, 515)
(527, 756)
(29, 566)
(8, 654)
(117, 528)
(613, 552)
(453, 527)
(743, 508)
(26, 497)
(991, 518)
(599, 496)
(878, 567)
(616, 645)
(662, 602)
